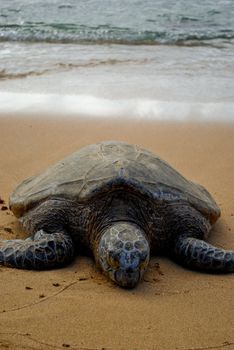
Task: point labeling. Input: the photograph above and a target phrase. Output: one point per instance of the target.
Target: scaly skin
(57, 225)
(197, 254)
(43, 251)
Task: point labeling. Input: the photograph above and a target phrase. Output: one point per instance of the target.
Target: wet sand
(76, 307)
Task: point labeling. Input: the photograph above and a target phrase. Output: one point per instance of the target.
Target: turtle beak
(127, 278)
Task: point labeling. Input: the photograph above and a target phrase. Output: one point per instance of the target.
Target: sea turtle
(120, 202)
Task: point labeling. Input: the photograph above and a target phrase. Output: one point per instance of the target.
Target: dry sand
(76, 307)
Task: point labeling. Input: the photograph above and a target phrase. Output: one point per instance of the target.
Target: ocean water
(152, 59)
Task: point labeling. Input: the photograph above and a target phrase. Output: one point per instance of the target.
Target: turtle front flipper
(39, 252)
(198, 254)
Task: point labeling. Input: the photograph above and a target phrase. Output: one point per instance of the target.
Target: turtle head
(123, 253)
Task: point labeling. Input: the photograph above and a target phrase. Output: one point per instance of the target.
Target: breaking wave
(106, 34)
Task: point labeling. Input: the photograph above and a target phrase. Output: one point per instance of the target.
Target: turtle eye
(114, 263)
(143, 265)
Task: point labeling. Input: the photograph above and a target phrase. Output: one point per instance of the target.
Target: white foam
(53, 105)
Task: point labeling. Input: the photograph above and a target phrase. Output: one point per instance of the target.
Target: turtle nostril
(129, 270)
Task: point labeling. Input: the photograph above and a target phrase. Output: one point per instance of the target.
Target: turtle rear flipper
(198, 254)
(42, 251)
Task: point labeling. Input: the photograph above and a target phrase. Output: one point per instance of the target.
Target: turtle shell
(111, 166)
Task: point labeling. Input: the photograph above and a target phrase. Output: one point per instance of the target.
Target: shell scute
(110, 166)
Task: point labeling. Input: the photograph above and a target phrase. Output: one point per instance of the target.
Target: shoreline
(79, 106)
(172, 308)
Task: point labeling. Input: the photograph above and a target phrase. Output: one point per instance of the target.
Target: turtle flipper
(198, 254)
(39, 252)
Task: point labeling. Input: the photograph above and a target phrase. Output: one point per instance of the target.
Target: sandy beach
(76, 307)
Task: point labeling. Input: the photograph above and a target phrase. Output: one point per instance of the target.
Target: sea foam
(87, 106)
